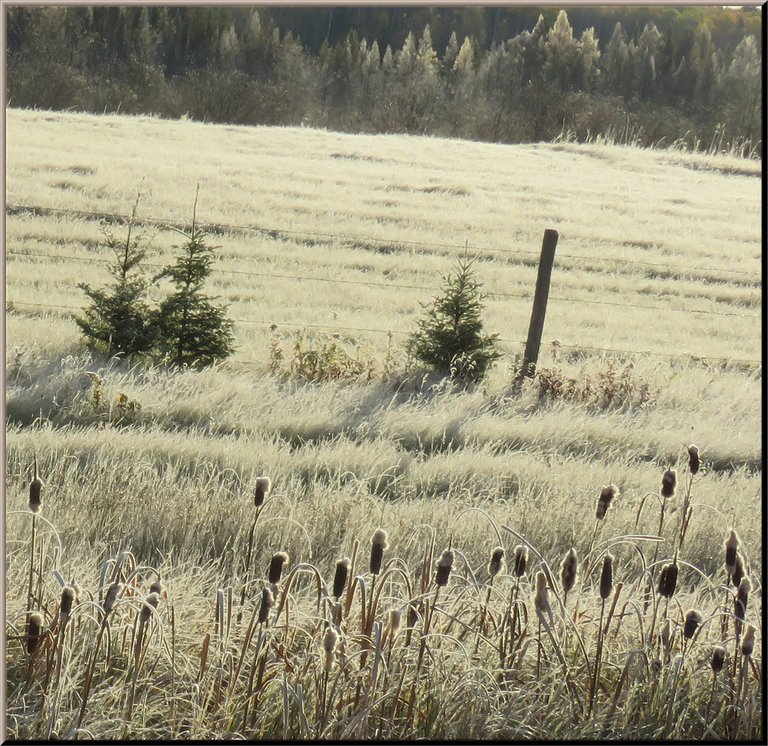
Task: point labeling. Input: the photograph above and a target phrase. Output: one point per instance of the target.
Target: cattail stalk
(692, 625)
(263, 486)
(606, 588)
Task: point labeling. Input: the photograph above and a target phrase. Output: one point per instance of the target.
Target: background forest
(646, 75)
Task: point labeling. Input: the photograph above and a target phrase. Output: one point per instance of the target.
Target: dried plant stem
(598, 655)
(248, 555)
(32, 561)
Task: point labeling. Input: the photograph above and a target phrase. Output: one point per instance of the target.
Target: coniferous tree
(450, 337)
(119, 321)
(194, 331)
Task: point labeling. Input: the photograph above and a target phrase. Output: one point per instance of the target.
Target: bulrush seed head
(521, 560)
(738, 570)
(718, 659)
(748, 641)
(395, 619)
(692, 621)
(668, 580)
(111, 597)
(35, 488)
(494, 566)
(267, 602)
(157, 587)
(276, 566)
(541, 600)
(742, 595)
(263, 486)
(34, 628)
(606, 496)
(444, 565)
(329, 645)
(340, 577)
(568, 570)
(693, 460)
(68, 596)
(668, 483)
(378, 545)
(731, 545)
(606, 577)
(150, 602)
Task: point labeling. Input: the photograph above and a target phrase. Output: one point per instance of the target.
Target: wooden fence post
(533, 343)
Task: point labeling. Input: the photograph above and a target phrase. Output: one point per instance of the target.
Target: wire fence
(335, 328)
(116, 217)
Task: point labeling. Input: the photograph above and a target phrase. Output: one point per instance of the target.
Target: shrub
(449, 338)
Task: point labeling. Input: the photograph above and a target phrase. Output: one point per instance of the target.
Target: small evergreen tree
(119, 321)
(449, 338)
(193, 329)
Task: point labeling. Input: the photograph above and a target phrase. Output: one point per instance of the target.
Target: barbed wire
(277, 324)
(390, 285)
(276, 232)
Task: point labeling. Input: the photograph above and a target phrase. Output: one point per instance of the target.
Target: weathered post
(533, 343)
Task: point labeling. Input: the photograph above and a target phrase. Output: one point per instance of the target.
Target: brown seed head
(521, 560)
(444, 565)
(568, 570)
(263, 486)
(607, 494)
(718, 659)
(340, 577)
(742, 595)
(731, 545)
(668, 483)
(68, 596)
(157, 587)
(668, 580)
(276, 566)
(494, 566)
(329, 645)
(692, 621)
(738, 570)
(748, 641)
(693, 460)
(267, 602)
(34, 628)
(35, 488)
(395, 620)
(541, 599)
(378, 545)
(150, 602)
(111, 597)
(606, 577)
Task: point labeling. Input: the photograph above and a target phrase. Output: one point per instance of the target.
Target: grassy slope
(346, 459)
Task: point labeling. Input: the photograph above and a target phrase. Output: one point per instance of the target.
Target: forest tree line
(649, 75)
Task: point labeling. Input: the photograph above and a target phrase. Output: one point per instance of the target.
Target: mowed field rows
(659, 252)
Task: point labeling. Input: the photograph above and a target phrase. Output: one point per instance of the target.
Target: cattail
(157, 587)
(34, 628)
(67, 598)
(395, 619)
(568, 570)
(444, 565)
(668, 483)
(718, 659)
(742, 594)
(111, 597)
(263, 486)
(340, 577)
(267, 602)
(494, 566)
(606, 577)
(738, 571)
(731, 545)
(606, 496)
(521, 560)
(748, 641)
(35, 488)
(378, 545)
(693, 460)
(150, 602)
(329, 645)
(276, 566)
(692, 621)
(541, 600)
(668, 580)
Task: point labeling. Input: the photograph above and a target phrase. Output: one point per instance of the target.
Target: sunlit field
(652, 343)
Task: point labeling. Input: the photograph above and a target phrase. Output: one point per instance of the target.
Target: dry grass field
(148, 472)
